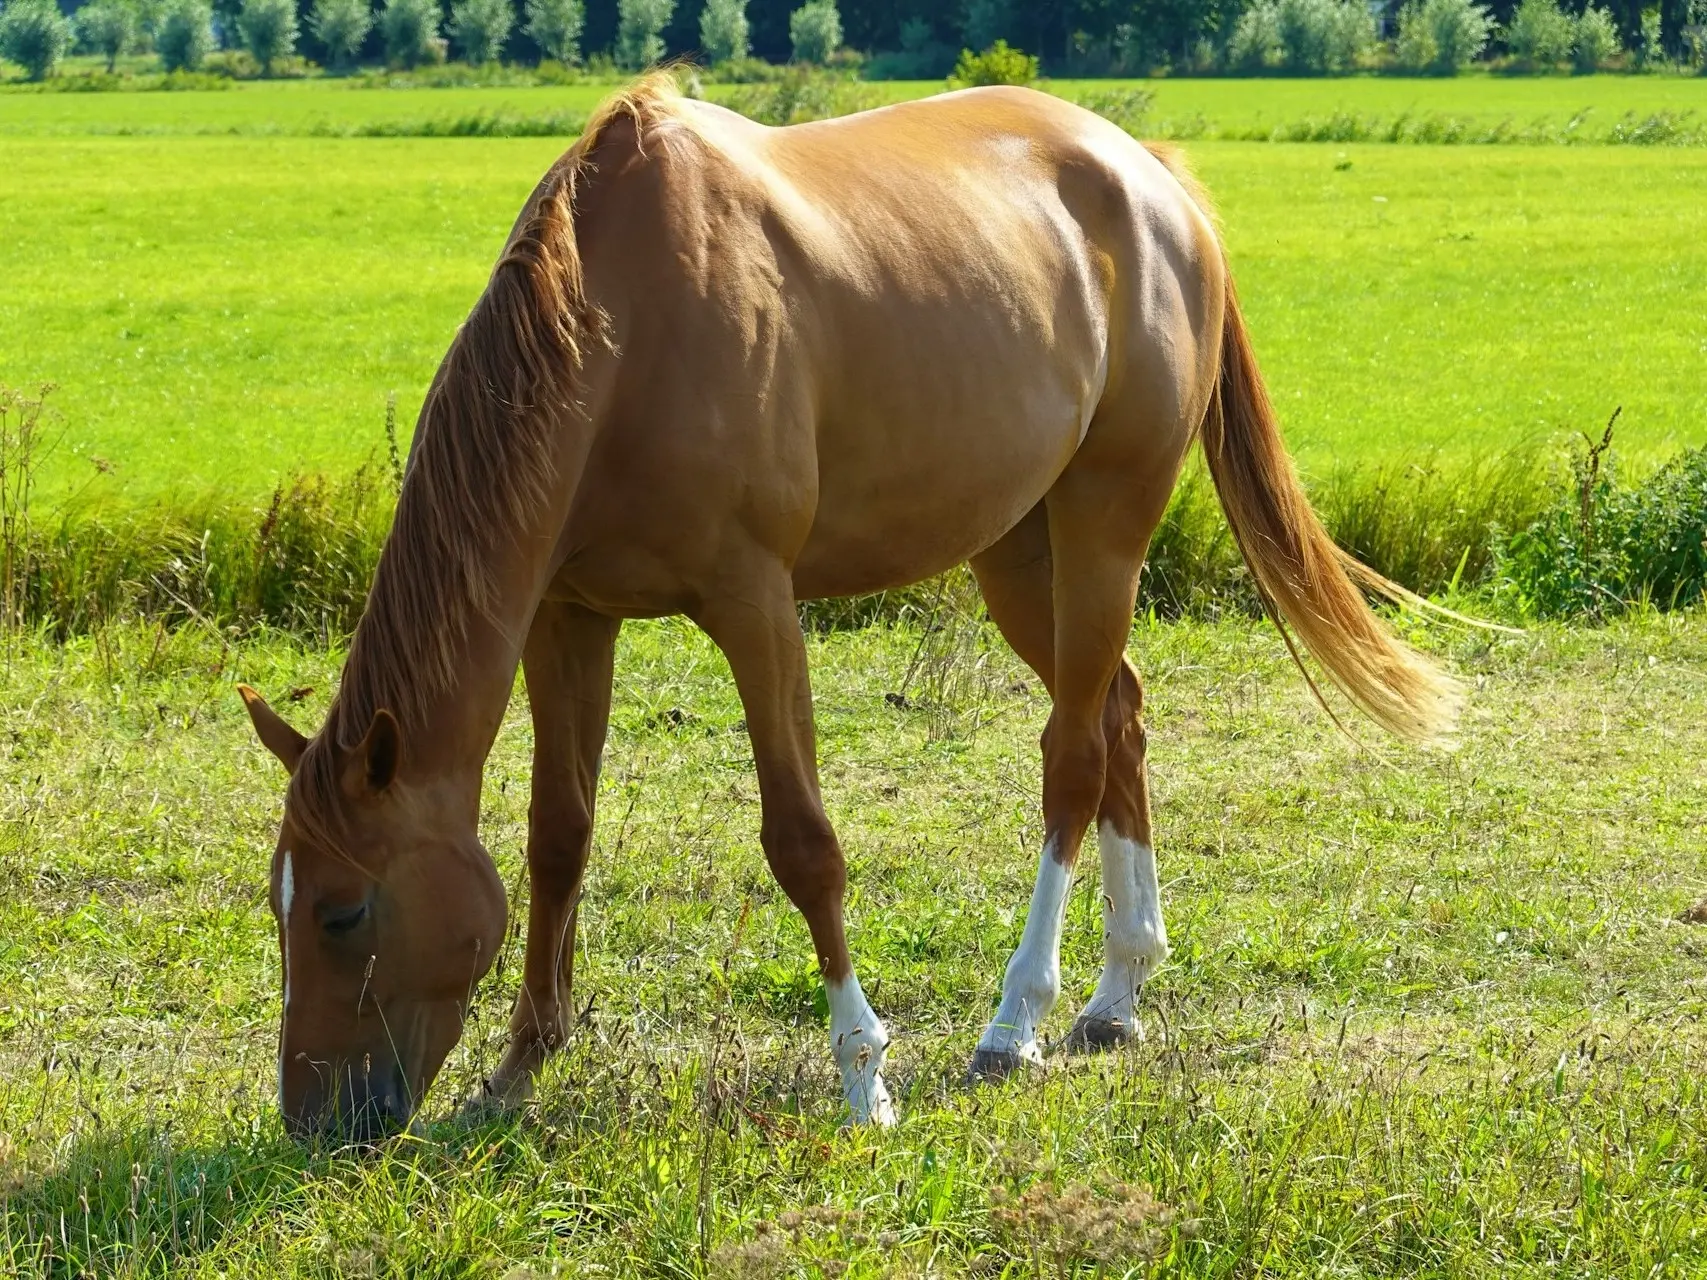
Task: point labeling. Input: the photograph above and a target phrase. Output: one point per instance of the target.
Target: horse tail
(1307, 584)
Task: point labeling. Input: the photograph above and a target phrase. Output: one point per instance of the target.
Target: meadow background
(1426, 1014)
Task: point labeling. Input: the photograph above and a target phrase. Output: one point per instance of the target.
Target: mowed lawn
(1426, 1014)
(218, 311)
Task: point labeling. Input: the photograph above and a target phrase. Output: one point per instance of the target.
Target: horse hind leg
(1135, 940)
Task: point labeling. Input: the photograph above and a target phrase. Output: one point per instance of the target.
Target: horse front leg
(568, 662)
(758, 630)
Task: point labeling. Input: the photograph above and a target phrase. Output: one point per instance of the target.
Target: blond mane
(481, 464)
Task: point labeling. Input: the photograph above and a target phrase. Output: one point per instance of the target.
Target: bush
(996, 65)
(342, 26)
(1255, 43)
(815, 30)
(555, 27)
(1319, 37)
(480, 28)
(640, 31)
(35, 35)
(185, 35)
(108, 27)
(723, 30)
(409, 28)
(1596, 42)
(1540, 34)
(1442, 36)
(802, 94)
(1607, 546)
(268, 28)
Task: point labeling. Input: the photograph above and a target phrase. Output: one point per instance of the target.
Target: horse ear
(373, 764)
(275, 735)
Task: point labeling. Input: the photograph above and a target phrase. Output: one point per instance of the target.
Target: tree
(1442, 36)
(815, 29)
(1540, 34)
(481, 27)
(640, 31)
(185, 35)
(268, 28)
(1596, 40)
(342, 26)
(35, 35)
(723, 30)
(108, 27)
(555, 26)
(987, 21)
(409, 28)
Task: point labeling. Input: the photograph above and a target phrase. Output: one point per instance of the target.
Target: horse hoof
(989, 1066)
(1098, 1035)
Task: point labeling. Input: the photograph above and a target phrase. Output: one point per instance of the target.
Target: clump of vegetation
(555, 26)
(723, 32)
(268, 28)
(921, 56)
(480, 28)
(640, 32)
(801, 95)
(1540, 34)
(184, 37)
(1596, 41)
(35, 35)
(108, 27)
(342, 26)
(996, 65)
(1303, 37)
(1073, 1225)
(1610, 545)
(1442, 37)
(410, 29)
(815, 31)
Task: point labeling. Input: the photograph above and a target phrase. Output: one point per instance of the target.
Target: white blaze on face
(1135, 941)
(1034, 974)
(287, 895)
(859, 1041)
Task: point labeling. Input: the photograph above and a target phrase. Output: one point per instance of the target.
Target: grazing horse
(721, 368)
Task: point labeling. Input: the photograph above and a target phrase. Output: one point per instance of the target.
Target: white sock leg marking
(1034, 974)
(858, 1040)
(287, 895)
(1135, 941)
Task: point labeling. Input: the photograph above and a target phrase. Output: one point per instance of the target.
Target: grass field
(1426, 1015)
(221, 310)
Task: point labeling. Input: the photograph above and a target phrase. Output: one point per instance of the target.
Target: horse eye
(344, 921)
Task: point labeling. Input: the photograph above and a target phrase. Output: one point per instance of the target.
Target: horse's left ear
(275, 735)
(373, 764)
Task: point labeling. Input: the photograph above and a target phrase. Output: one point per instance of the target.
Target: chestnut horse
(721, 368)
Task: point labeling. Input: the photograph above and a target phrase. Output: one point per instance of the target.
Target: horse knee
(805, 858)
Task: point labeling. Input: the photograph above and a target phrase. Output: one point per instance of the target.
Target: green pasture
(218, 311)
(1426, 1015)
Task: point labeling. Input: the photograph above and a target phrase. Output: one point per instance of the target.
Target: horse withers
(721, 368)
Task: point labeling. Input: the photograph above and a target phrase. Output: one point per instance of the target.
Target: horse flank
(480, 466)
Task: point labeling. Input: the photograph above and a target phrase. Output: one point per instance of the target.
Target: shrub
(1441, 36)
(108, 27)
(480, 28)
(921, 57)
(409, 28)
(35, 35)
(1318, 37)
(640, 31)
(802, 94)
(723, 30)
(1607, 546)
(185, 35)
(268, 28)
(1255, 43)
(1540, 34)
(555, 27)
(996, 65)
(815, 30)
(1651, 52)
(1596, 40)
(342, 26)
